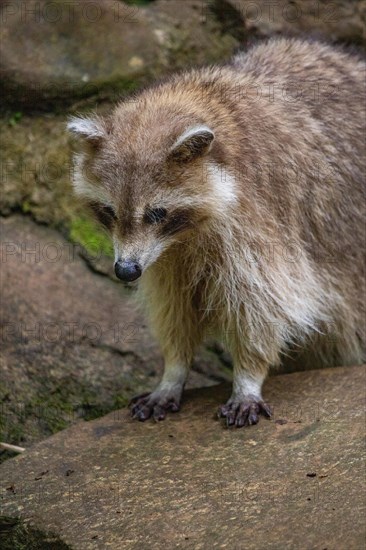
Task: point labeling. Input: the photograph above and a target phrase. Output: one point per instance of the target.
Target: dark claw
(253, 414)
(159, 413)
(143, 414)
(240, 421)
(265, 408)
(223, 411)
(230, 419)
(137, 398)
(174, 407)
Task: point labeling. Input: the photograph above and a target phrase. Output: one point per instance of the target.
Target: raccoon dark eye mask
(177, 221)
(155, 215)
(103, 213)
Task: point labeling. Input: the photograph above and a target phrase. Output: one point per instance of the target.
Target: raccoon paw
(152, 404)
(245, 412)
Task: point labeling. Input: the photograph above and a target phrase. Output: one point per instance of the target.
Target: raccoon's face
(149, 196)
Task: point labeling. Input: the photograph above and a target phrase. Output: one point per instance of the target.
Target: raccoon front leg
(174, 321)
(246, 403)
(166, 397)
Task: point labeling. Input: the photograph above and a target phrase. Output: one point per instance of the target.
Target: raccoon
(235, 198)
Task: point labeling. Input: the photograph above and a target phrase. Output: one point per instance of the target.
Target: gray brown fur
(288, 154)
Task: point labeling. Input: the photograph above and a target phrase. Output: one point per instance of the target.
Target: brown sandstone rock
(187, 482)
(55, 53)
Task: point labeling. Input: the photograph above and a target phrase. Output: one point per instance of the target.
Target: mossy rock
(87, 233)
(57, 54)
(36, 179)
(16, 535)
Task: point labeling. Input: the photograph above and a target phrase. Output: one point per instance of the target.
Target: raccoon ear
(90, 129)
(194, 142)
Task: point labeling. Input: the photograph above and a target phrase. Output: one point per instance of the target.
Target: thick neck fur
(231, 283)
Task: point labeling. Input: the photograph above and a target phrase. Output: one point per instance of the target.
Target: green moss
(15, 535)
(120, 401)
(15, 118)
(92, 409)
(87, 233)
(55, 407)
(26, 207)
(59, 405)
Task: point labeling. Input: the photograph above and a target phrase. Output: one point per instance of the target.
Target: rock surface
(73, 343)
(338, 20)
(57, 53)
(64, 49)
(36, 169)
(188, 482)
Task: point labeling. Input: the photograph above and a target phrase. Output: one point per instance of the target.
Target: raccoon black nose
(127, 271)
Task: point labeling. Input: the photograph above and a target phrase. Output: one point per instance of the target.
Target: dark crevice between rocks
(93, 266)
(230, 19)
(20, 98)
(112, 349)
(16, 210)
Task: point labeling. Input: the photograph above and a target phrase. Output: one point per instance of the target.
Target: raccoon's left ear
(194, 142)
(90, 129)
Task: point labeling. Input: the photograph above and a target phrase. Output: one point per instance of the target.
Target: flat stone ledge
(294, 482)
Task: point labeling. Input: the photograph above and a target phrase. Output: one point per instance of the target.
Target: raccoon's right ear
(89, 129)
(193, 143)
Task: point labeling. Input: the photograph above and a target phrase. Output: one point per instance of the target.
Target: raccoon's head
(152, 185)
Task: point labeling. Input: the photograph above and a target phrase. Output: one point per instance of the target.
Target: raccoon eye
(104, 213)
(154, 215)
